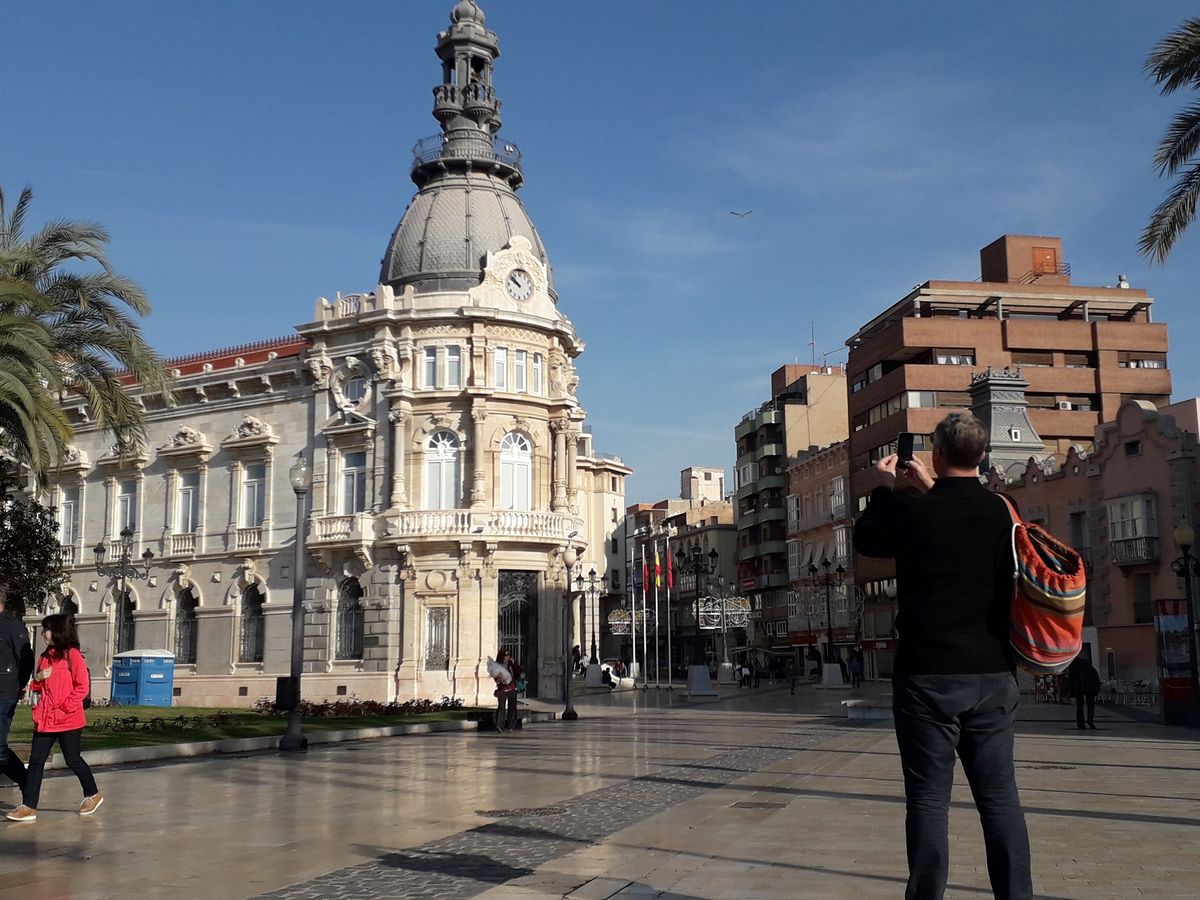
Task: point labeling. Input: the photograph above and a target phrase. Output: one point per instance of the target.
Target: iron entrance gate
(518, 622)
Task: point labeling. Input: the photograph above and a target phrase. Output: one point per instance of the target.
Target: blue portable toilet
(143, 678)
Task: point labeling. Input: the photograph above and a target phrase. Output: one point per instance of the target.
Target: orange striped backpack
(1049, 588)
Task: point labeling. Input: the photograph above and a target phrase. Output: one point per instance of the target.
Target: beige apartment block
(453, 475)
(807, 411)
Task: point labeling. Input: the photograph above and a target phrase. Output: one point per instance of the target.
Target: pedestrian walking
(756, 674)
(508, 673)
(61, 682)
(1084, 681)
(954, 687)
(856, 670)
(16, 665)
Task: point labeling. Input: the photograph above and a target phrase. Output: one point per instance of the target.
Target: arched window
(516, 464)
(69, 607)
(252, 625)
(350, 620)
(442, 471)
(124, 622)
(185, 627)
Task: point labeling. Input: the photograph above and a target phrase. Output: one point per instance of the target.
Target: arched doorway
(123, 640)
(350, 620)
(253, 625)
(186, 631)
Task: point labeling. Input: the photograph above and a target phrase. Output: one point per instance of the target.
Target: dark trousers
(43, 743)
(10, 763)
(506, 710)
(1091, 709)
(938, 716)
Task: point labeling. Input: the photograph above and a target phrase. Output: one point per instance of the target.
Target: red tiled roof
(226, 357)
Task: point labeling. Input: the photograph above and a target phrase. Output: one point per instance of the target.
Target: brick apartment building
(1084, 351)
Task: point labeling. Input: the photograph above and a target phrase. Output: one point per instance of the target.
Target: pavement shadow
(471, 866)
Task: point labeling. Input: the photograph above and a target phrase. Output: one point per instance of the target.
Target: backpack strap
(1016, 523)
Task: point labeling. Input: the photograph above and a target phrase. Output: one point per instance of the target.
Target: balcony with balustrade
(183, 544)
(472, 524)
(69, 554)
(1134, 551)
(248, 539)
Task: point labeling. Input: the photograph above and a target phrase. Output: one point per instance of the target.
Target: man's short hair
(962, 439)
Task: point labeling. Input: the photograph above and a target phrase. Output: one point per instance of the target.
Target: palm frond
(1175, 61)
(1171, 217)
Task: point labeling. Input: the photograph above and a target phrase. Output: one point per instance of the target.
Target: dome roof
(467, 11)
(450, 226)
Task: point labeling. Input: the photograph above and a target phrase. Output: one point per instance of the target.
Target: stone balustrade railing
(249, 538)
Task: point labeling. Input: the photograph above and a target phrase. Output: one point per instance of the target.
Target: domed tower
(468, 174)
(454, 482)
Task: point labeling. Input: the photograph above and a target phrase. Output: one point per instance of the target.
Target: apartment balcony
(1134, 551)
(769, 450)
(183, 544)
(341, 529)
(749, 489)
(248, 539)
(768, 482)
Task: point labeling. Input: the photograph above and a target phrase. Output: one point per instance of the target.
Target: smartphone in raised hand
(904, 449)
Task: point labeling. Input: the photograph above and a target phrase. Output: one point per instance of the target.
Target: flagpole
(645, 627)
(657, 579)
(633, 624)
(670, 578)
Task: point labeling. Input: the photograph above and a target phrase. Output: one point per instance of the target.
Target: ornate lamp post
(828, 580)
(569, 559)
(300, 475)
(695, 564)
(123, 567)
(591, 592)
(1185, 567)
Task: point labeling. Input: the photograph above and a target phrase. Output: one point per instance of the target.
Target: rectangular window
(1032, 359)
(793, 512)
(501, 369)
(1141, 359)
(954, 357)
(187, 512)
(519, 361)
(354, 482)
(1143, 600)
(837, 497)
(841, 545)
(1077, 360)
(126, 505)
(254, 495)
(431, 368)
(1132, 517)
(795, 560)
(536, 386)
(453, 367)
(68, 516)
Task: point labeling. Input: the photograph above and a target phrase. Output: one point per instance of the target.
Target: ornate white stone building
(451, 465)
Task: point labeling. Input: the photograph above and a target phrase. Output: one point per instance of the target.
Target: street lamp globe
(1185, 535)
(300, 475)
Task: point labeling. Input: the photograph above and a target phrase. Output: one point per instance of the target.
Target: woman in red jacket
(61, 682)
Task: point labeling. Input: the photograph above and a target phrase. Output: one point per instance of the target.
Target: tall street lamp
(123, 567)
(300, 475)
(590, 590)
(828, 580)
(1185, 567)
(569, 559)
(694, 563)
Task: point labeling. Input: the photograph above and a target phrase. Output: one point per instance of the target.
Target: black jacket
(16, 657)
(954, 568)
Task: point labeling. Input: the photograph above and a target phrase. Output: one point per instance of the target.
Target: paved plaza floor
(759, 794)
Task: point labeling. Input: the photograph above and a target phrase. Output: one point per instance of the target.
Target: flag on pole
(670, 569)
(657, 567)
(645, 570)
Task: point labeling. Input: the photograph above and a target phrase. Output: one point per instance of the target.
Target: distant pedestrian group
(61, 683)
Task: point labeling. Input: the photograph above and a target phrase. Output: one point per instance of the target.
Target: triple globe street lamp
(693, 562)
(590, 590)
(288, 691)
(123, 567)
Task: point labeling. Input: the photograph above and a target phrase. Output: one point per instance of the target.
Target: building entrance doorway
(518, 622)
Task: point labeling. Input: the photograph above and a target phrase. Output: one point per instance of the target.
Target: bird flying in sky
(741, 215)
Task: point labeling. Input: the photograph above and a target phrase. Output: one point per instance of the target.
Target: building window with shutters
(187, 511)
(430, 368)
(453, 367)
(254, 495)
(500, 359)
(796, 569)
(126, 508)
(68, 516)
(442, 471)
(516, 464)
(520, 364)
(536, 375)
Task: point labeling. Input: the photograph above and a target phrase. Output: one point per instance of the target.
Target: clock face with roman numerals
(519, 284)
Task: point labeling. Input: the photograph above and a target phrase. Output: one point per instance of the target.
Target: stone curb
(126, 755)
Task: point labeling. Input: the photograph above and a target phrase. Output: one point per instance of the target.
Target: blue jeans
(938, 716)
(10, 763)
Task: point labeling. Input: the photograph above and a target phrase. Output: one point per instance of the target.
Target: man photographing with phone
(954, 687)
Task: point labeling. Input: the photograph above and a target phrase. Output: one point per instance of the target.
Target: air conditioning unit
(1064, 404)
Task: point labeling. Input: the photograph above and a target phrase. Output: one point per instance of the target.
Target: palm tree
(1175, 64)
(67, 331)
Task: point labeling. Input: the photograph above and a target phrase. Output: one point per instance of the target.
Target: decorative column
(572, 466)
(478, 456)
(559, 494)
(399, 498)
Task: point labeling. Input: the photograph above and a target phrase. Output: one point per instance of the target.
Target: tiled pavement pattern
(466, 864)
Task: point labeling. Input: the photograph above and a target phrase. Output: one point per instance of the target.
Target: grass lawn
(237, 723)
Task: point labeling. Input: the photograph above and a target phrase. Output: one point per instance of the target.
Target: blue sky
(249, 157)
